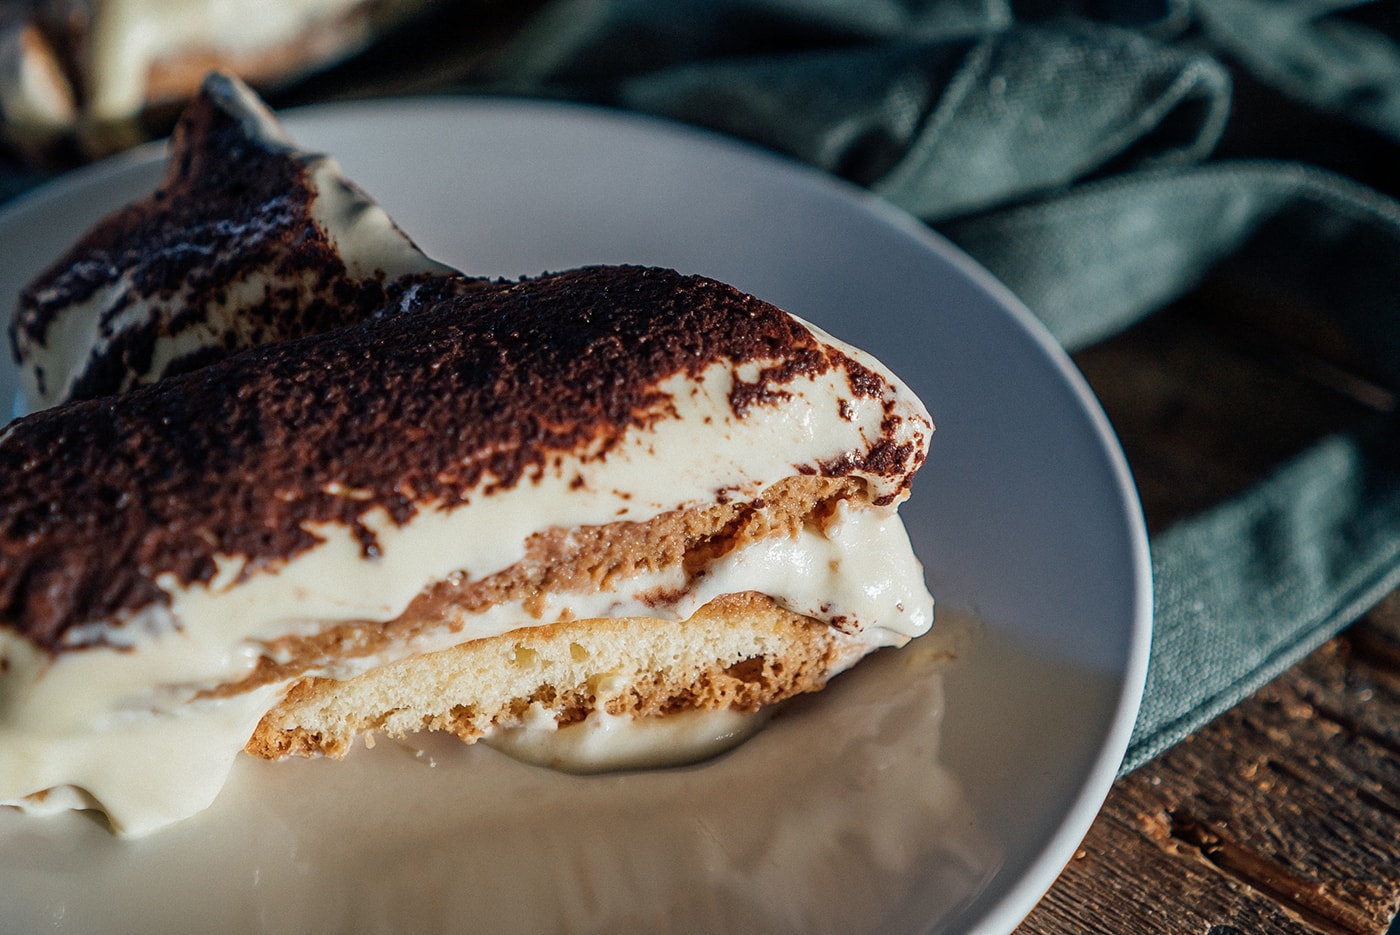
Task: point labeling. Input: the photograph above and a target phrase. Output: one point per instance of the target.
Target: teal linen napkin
(1073, 154)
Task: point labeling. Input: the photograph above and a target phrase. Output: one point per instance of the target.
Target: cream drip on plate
(842, 808)
(123, 725)
(604, 743)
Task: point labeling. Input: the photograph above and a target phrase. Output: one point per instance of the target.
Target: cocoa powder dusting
(230, 202)
(183, 232)
(482, 391)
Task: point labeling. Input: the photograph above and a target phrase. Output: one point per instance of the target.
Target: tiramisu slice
(614, 496)
(247, 239)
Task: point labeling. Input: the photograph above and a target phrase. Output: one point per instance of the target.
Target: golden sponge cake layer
(740, 651)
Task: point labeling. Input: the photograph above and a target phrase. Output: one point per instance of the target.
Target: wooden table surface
(1283, 815)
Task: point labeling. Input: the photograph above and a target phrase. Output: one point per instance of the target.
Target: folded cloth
(1246, 588)
(1102, 159)
(1072, 155)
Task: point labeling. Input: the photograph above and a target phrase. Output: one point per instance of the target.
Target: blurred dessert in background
(85, 71)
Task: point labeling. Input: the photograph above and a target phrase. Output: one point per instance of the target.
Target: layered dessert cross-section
(613, 495)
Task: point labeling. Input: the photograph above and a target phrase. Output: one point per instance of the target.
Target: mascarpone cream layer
(604, 743)
(122, 731)
(703, 450)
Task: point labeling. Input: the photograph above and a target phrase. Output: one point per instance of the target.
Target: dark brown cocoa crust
(484, 391)
(229, 202)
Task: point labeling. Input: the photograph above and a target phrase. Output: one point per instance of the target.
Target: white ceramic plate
(917, 794)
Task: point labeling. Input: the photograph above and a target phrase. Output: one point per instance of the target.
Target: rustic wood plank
(1277, 817)
(1133, 876)
(1283, 815)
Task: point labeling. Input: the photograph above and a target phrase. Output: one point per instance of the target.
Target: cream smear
(121, 726)
(603, 742)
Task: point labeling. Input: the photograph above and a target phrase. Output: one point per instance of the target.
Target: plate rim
(1021, 896)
